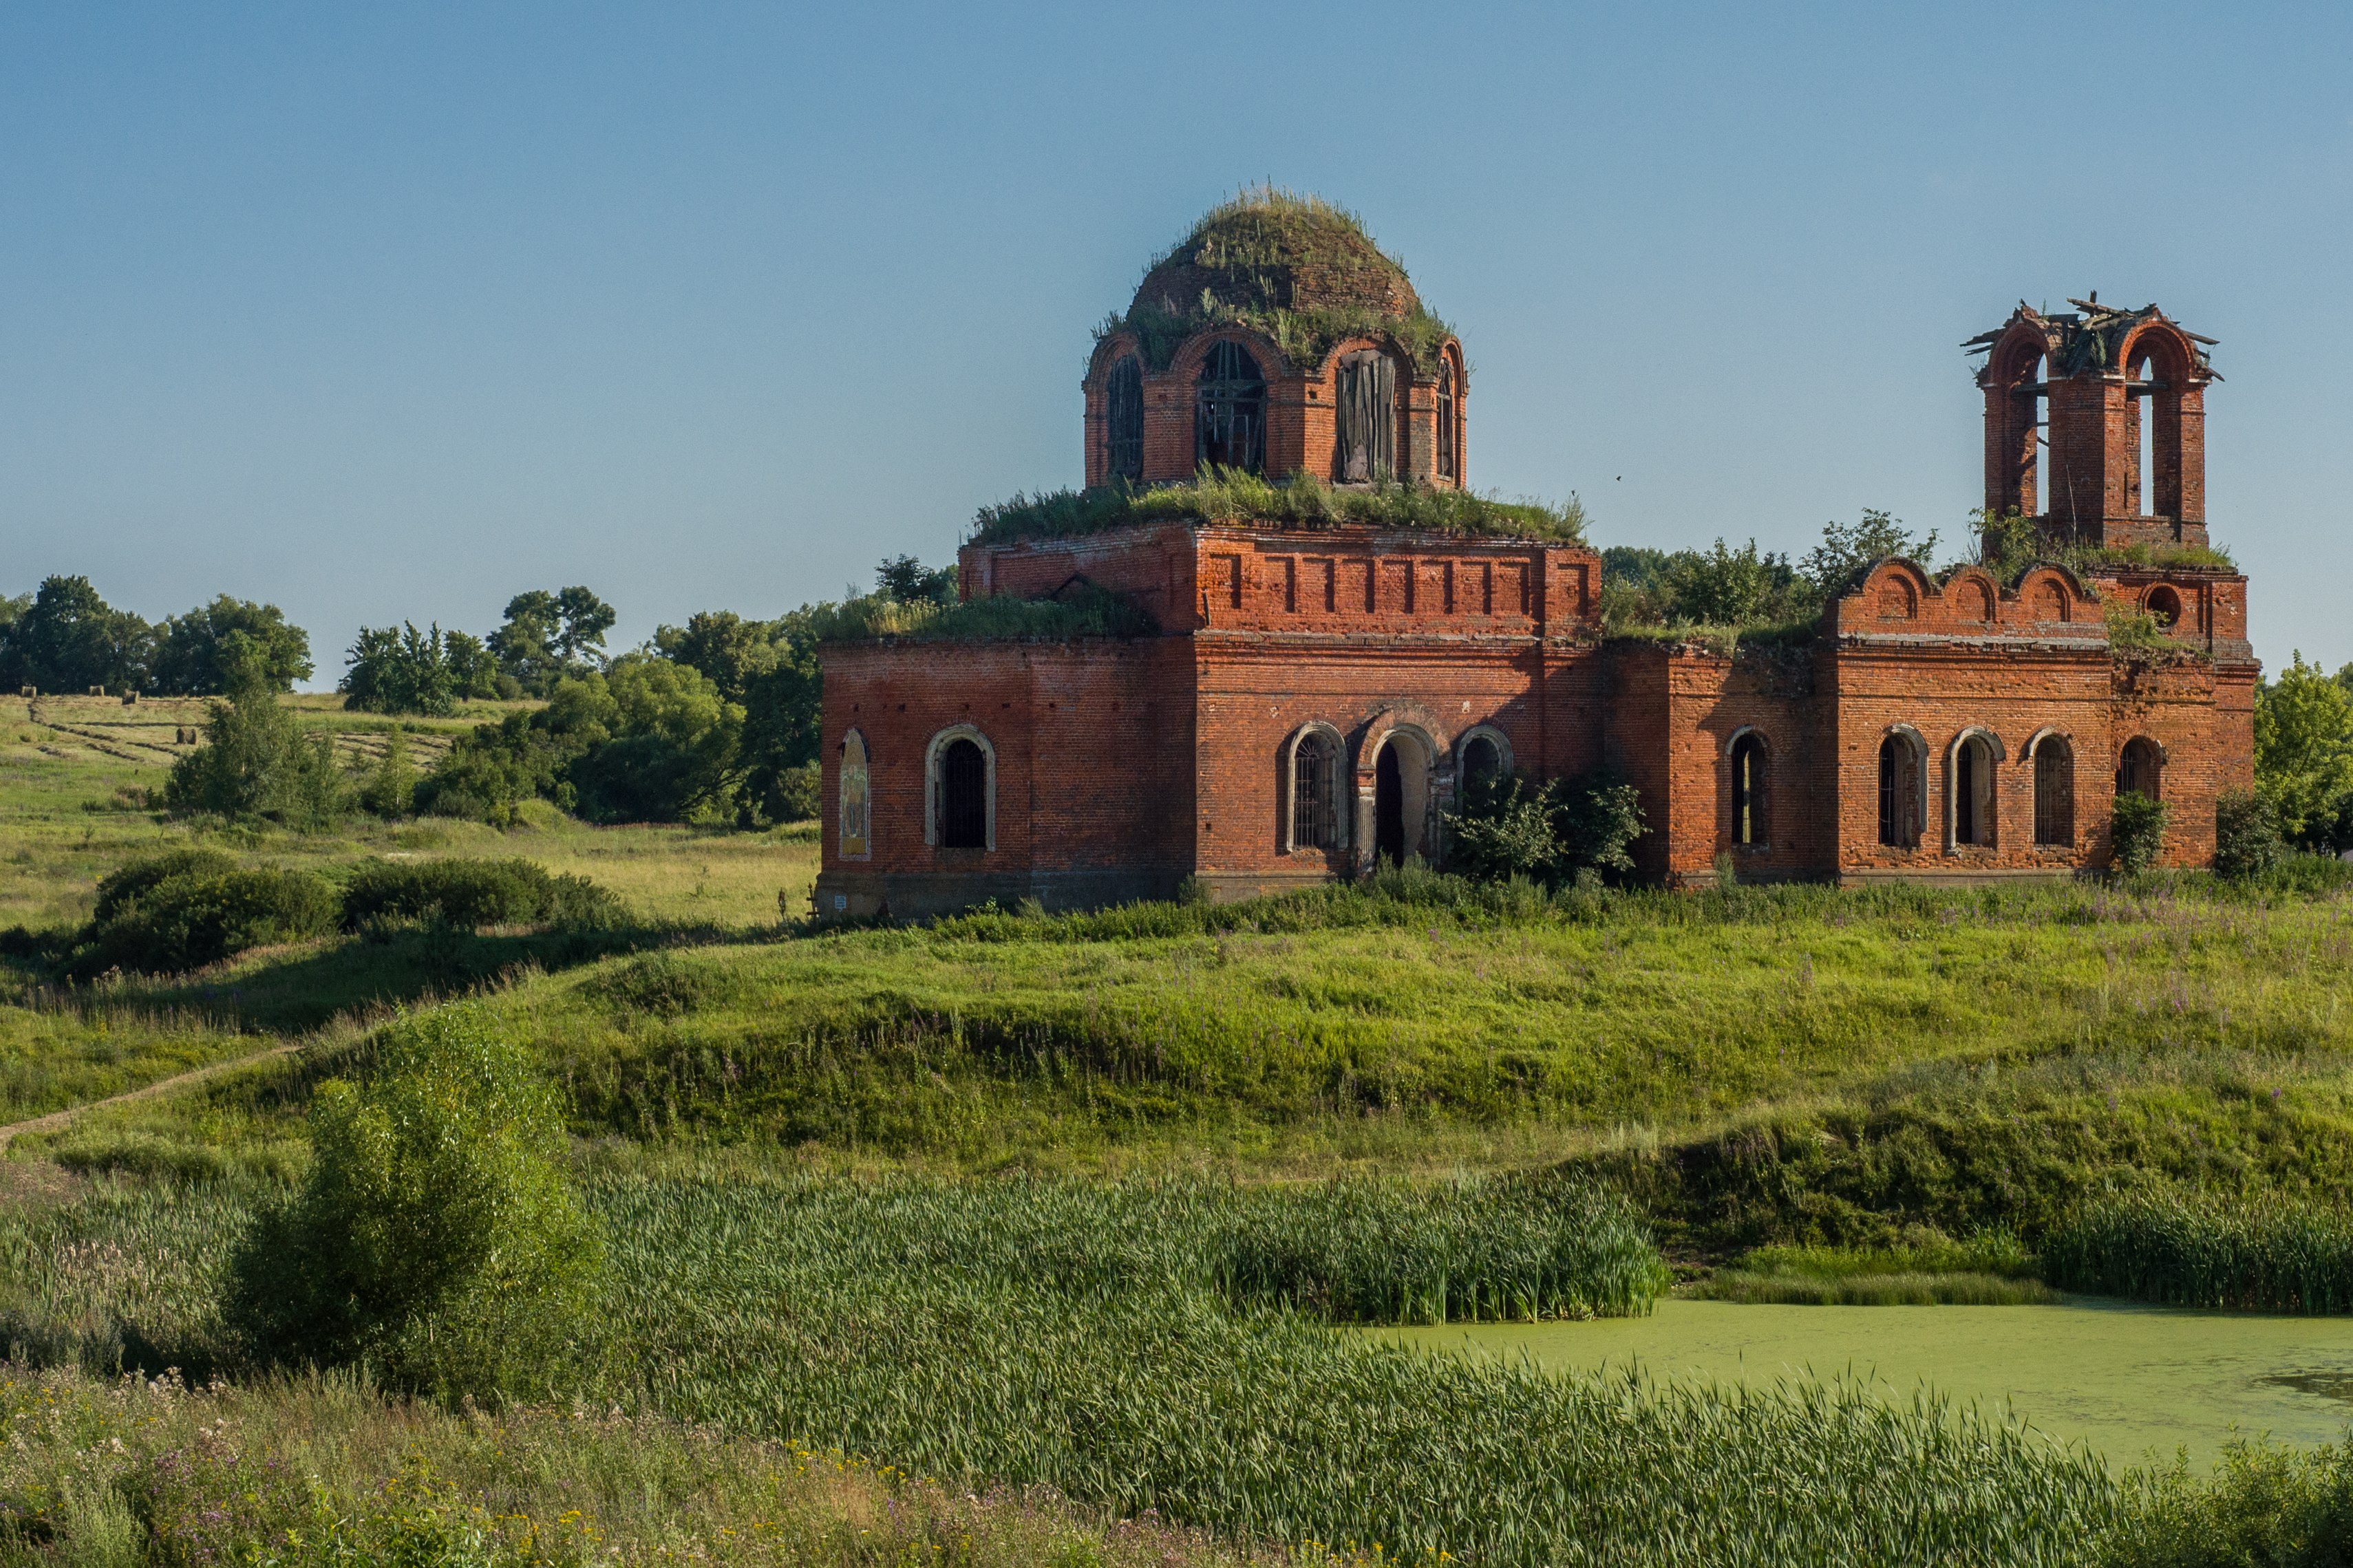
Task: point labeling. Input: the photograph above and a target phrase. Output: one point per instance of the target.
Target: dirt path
(56, 1118)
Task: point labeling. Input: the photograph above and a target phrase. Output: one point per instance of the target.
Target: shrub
(195, 907)
(2246, 833)
(2136, 831)
(474, 893)
(799, 795)
(2266, 1505)
(2189, 1248)
(258, 762)
(434, 1236)
(1551, 834)
(389, 791)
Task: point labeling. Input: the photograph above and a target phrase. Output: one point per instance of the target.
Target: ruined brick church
(1311, 699)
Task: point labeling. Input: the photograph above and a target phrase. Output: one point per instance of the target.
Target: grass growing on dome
(1246, 263)
(1301, 502)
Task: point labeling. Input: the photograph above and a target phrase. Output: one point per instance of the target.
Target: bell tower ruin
(2120, 457)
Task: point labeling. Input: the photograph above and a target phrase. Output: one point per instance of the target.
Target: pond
(2130, 1381)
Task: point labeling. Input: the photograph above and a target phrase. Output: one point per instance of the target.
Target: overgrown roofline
(1302, 502)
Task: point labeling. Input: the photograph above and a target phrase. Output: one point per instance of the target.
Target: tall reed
(2187, 1247)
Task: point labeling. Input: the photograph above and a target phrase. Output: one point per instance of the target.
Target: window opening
(1388, 806)
(853, 790)
(1123, 419)
(1482, 764)
(963, 796)
(2141, 769)
(1314, 791)
(1973, 800)
(1748, 791)
(1367, 422)
(1230, 398)
(2164, 605)
(2145, 441)
(1899, 792)
(1446, 460)
(2054, 793)
(2038, 419)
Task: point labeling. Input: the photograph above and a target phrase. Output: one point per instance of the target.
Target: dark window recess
(1123, 418)
(1748, 778)
(1367, 447)
(1316, 822)
(1899, 792)
(1483, 766)
(963, 796)
(2142, 768)
(2054, 793)
(1447, 465)
(1230, 401)
(1388, 807)
(1973, 811)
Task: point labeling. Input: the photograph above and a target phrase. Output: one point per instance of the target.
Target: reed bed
(1150, 1347)
(2188, 1247)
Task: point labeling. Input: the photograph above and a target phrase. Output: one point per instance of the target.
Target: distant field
(74, 773)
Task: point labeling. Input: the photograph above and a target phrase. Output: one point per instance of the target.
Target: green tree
(400, 670)
(215, 648)
(473, 668)
(1725, 588)
(2304, 753)
(257, 763)
(69, 639)
(390, 789)
(1849, 550)
(908, 580)
(433, 1236)
(674, 746)
(551, 636)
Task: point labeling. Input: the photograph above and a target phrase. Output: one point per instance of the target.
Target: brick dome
(1269, 250)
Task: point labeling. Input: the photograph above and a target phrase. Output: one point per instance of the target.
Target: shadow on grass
(295, 990)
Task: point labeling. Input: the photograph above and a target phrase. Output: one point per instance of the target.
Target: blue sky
(390, 311)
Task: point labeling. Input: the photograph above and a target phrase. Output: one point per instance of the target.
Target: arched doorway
(1401, 783)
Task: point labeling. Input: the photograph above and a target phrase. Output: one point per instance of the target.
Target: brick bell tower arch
(2096, 424)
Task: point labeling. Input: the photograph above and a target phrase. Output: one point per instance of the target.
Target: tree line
(64, 637)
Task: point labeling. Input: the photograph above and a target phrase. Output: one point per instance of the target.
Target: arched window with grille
(1902, 791)
(1230, 401)
(1315, 791)
(1751, 771)
(1123, 420)
(1364, 446)
(2141, 769)
(2055, 792)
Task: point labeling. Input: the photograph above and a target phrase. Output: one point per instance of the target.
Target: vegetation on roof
(2016, 545)
(1296, 268)
(1087, 612)
(1303, 502)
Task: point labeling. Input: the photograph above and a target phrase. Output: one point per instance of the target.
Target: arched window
(1448, 467)
(1315, 793)
(1749, 773)
(1483, 762)
(2055, 792)
(1366, 447)
(2141, 769)
(1973, 792)
(962, 789)
(850, 788)
(1123, 420)
(1401, 794)
(1229, 429)
(2164, 605)
(1901, 803)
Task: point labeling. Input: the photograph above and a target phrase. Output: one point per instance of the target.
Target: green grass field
(1811, 1096)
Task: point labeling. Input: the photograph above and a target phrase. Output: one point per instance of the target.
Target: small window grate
(1229, 429)
(963, 796)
